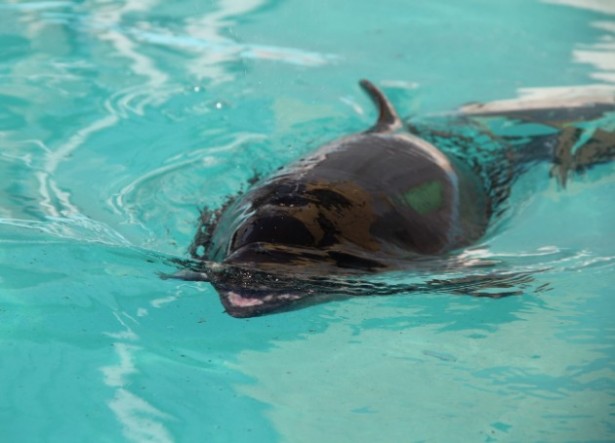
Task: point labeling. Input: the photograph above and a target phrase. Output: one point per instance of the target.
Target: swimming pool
(118, 121)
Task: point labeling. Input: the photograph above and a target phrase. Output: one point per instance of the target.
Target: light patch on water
(209, 31)
(233, 50)
(605, 26)
(160, 302)
(288, 112)
(127, 333)
(356, 107)
(142, 312)
(399, 84)
(606, 6)
(601, 54)
(115, 376)
(602, 57)
(140, 420)
(548, 97)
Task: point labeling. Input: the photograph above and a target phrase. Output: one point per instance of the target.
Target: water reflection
(81, 161)
(605, 6)
(601, 54)
(63, 36)
(211, 33)
(140, 420)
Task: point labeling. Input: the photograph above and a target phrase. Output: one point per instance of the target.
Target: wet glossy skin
(364, 203)
(374, 201)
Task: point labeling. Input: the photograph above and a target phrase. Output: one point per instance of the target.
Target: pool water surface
(120, 120)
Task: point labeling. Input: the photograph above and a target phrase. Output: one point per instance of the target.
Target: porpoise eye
(277, 229)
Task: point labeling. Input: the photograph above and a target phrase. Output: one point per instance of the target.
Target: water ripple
(178, 169)
(76, 227)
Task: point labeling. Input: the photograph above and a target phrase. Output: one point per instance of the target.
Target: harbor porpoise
(383, 199)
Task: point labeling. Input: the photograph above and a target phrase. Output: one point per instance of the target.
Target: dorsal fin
(388, 119)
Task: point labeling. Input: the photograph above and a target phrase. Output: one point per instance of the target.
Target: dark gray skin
(363, 201)
(368, 202)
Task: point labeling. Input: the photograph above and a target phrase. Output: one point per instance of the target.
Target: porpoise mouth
(248, 292)
(260, 278)
(242, 303)
(259, 281)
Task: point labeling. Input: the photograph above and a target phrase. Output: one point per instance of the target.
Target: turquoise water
(118, 120)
